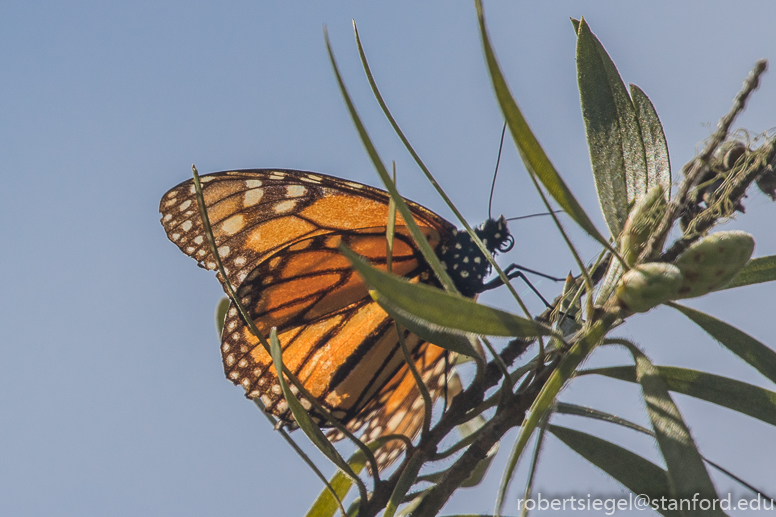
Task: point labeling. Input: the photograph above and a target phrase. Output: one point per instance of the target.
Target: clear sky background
(112, 394)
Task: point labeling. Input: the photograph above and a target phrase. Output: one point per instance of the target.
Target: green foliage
(631, 170)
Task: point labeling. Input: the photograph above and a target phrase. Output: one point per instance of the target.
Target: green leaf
(403, 485)
(687, 474)
(428, 332)
(401, 205)
(756, 271)
(613, 133)
(564, 408)
(762, 358)
(573, 409)
(534, 157)
(635, 472)
(739, 396)
(325, 505)
(545, 400)
(301, 416)
(433, 306)
(655, 144)
(221, 308)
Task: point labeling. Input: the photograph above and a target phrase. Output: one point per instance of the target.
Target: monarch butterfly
(277, 233)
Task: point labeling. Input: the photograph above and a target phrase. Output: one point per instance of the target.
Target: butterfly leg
(516, 271)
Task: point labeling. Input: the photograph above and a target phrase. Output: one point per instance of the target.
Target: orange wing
(277, 233)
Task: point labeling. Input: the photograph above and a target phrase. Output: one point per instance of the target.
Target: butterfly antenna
(533, 215)
(495, 174)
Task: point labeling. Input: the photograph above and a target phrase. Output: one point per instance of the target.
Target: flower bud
(713, 261)
(642, 221)
(648, 285)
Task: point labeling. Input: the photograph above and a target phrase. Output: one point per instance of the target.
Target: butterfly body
(277, 233)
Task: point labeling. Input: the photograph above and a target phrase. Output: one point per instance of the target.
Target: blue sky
(112, 395)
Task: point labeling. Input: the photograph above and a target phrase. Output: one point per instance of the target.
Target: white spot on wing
(223, 251)
(285, 206)
(239, 261)
(295, 191)
(252, 183)
(252, 196)
(199, 239)
(233, 225)
(186, 226)
(183, 206)
(277, 175)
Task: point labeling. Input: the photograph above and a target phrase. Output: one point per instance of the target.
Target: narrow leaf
(423, 245)
(613, 134)
(436, 307)
(687, 474)
(655, 143)
(739, 396)
(221, 308)
(546, 399)
(428, 332)
(325, 505)
(756, 271)
(573, 409)
(534, 157)
(762, 358)
(634, 472)
(403, 485)
(564, 408)
(301, 416)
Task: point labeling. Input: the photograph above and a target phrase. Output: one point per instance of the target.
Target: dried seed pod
(642, 221)
(648, 285)
(767, 182)
(713, 261)
(727, 154)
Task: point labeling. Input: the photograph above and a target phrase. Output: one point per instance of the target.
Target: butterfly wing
(277, 233)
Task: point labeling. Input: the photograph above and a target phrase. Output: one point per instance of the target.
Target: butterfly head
(464, 261)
